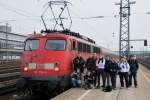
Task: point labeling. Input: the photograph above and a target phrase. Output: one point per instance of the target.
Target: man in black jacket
(78, 63)
(107, 86)
(133, 70)
(91, 67)
(113, 73)
(90, 63)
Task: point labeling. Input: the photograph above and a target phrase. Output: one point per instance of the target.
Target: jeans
(101, 74)
(113, 80)
(76, 82)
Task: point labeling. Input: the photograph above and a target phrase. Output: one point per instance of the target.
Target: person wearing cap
(133, 70)
(124, 71)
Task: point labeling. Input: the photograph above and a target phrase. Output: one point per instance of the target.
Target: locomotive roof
(63, 34)
(68, 34)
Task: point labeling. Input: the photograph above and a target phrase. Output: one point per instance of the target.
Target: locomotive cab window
(32, 45)
(55, 44)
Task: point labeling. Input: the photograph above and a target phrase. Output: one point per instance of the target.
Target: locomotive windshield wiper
(57, 48)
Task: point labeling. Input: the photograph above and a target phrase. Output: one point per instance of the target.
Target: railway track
(9, 73)
(145, 62)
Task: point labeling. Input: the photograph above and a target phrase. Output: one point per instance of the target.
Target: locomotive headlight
(32, 66)
(43, 34)
(25, 69)
(56, 69)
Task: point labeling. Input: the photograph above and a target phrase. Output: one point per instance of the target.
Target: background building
(11, 45)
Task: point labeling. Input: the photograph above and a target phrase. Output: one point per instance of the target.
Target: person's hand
(129, 72)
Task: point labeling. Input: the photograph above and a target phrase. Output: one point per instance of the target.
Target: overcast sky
(24, 16)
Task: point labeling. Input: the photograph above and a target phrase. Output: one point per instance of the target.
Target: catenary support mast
(124, 36)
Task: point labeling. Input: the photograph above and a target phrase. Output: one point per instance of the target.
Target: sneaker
(89, 87)
(102, 85)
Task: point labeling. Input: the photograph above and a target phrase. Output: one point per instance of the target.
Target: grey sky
(26, 15)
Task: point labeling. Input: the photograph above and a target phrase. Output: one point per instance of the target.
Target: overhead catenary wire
(16, 10)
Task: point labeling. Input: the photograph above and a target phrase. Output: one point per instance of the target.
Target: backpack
(108, 89)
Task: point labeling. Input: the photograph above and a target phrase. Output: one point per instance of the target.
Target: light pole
(6, 42)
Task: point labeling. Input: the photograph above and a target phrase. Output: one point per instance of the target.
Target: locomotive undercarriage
(43, 86)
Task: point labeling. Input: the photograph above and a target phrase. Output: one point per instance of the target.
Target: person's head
(133, 57)
(123, 58)
(113, 59)
(89, 73)
(107, 57)
(79, 55)
(100, 56)
(94, 55)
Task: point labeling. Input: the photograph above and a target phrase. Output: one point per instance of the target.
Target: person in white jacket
(124, 72)
(101, 66)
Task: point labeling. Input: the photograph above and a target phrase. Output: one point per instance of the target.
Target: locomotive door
(74, 50)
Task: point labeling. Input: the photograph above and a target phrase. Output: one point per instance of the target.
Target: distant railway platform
(139, 93)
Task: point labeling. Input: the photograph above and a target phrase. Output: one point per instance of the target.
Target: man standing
(133, 70)
(91, 64)
(113, 73)
(101, 67)
(95, 69)
(107, 71)
(124, 70)
(78, 63)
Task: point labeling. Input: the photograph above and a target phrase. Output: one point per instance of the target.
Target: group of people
(89, 73)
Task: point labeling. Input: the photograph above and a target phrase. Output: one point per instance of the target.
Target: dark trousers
(95, 77)
(106, 78)
(134, 76)
(124, 76)
(113, 80)
(101, 74)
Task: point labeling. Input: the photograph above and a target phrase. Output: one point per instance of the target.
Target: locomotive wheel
(24, 92)
(59, 89)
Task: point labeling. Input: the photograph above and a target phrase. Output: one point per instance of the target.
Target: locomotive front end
(45, 64)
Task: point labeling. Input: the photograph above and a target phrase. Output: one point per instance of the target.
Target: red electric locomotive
(47, 59)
